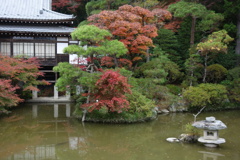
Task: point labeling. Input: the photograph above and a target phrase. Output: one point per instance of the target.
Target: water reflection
(35, 153)
(210, 155)
(56, 109)
(43, 131)
(36, 134)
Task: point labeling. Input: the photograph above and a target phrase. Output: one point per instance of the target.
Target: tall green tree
(192, 64)
(168, 42)
(208, 19)
(91, 36)
(96, 6)
(115, 49)
(145, 3)
(97, 44)
(216, 43)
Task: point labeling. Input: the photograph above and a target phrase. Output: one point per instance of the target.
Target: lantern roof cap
(210, 124)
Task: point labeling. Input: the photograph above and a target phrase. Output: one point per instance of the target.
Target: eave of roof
(35, 11)
(35, 30)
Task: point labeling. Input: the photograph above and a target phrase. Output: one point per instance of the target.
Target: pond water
(44, 131)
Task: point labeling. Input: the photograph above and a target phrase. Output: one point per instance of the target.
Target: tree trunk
(88, 97)
(192, 38)
(195, 115)
(108, 5)
(237, 49)
(91, 59)
(191, 80)
(115, 61)
(205, 68)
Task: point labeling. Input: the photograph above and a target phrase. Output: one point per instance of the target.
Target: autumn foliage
(134, 26)
(8, 97)
(109, 62)
(17, 74)
(110, 93)
(71, 4)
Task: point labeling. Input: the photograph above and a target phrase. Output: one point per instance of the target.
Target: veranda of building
(29, 28)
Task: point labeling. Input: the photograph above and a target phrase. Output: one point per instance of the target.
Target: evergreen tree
(209, 19)
(168, 42)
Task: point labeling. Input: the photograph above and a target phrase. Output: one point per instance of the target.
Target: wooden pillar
(55, 110)
(68, 110)
(35, 111)
(55, 92)
(34, 94)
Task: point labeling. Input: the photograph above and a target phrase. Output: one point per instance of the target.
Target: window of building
(17, 49)
(60, 47)
(28, 49)
(5, 48)
(23, 49)
(50, 50)
(39, 50)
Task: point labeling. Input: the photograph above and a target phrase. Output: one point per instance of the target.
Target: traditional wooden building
(30, 28)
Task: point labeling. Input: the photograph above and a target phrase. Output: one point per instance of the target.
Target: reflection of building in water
(78, 143)
(43, 152)
(53, 126)
(55, 109)
(210, 155)
(36, 153)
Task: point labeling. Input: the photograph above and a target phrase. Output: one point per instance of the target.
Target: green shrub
(217, 92)
(226, 82)
(174, 89)
(235, 91)
(216, 73)
(228, 60)
(141, 109)
(154, 70)
(140, 103)
(189, 129)
(161, 70)
(233, 74)
(206, 94)
(196, 97)
(158, 93)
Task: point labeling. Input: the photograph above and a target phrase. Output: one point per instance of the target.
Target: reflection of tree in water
(106, 140)
(16, 138)
(25, 136)
(21, 135)
(123, 141)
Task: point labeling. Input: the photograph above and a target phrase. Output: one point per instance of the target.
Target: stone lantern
(210, 134)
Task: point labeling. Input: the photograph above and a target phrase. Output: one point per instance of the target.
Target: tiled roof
(35, 29)
(30, 10)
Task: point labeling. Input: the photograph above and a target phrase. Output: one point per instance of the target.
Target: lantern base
(211, 142)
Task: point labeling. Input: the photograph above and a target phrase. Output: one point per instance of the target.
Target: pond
(44, 131)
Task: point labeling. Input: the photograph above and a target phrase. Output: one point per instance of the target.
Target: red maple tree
(70, 4)
(109, 62)
(8, 98)
(165, 18)
(134, 26)
(17, 73)
(110, 93)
